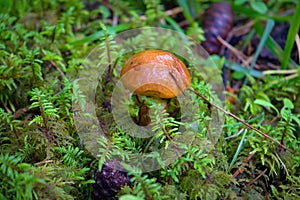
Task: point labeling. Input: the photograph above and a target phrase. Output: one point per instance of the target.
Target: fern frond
(17, 178)
(71, 156)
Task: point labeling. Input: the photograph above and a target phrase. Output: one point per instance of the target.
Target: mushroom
(155, 73)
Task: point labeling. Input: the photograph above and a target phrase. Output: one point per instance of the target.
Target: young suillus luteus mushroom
(156, 73)
(160, 74)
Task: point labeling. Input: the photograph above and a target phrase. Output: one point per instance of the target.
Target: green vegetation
(43, 46)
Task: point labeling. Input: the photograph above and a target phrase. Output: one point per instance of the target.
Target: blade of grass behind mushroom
(187, 12)
(239, 68)
(269, 26)
(294, 29)
(272, 45)
(176, 27)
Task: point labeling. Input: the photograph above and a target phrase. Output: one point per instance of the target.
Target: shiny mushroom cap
(155, 73)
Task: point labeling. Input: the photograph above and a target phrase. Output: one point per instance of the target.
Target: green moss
(43, 47)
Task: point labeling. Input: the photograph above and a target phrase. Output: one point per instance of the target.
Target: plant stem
(45, 122)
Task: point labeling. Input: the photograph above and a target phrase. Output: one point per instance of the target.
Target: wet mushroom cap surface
(155, 73)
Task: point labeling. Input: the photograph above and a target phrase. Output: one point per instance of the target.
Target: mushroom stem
(147, 109)
(143, 117)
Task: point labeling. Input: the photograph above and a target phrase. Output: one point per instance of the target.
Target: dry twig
(241, 168)
(282, 163)
(242, 57)
(256, 178)
(235, 135)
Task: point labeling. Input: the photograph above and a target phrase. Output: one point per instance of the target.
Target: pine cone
(109, 181)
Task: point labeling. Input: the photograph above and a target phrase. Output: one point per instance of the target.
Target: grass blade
(269, 26)
(272, 45)
(290, 40)
(239, 68)
(239, 149)
(175, 26)
(186, 11)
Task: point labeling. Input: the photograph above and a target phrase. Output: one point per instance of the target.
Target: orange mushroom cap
(155, 73)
